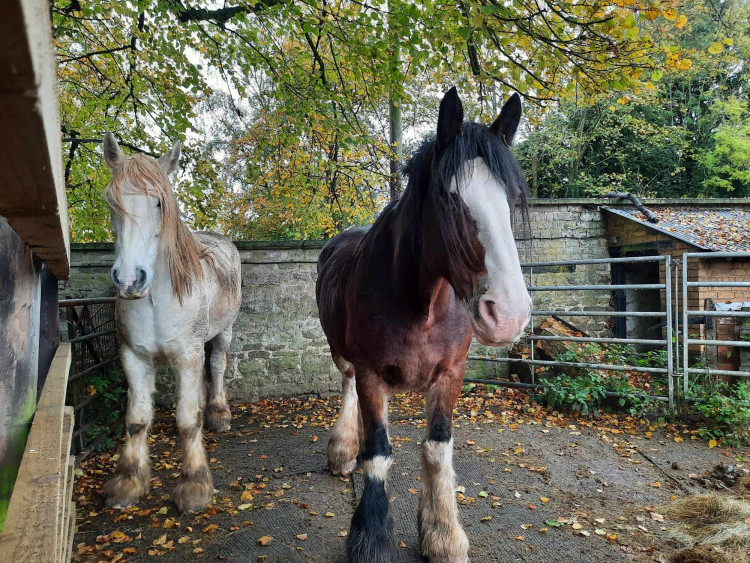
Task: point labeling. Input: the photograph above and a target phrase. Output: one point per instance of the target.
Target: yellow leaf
(622, 101)
(681, 22)
(330, 514)
(728, 41)
(210, 528)
(715, 48)
(265, 540)
(684, 64)
(712, 443)
(577, 526)
(670, 14)
(544, 499)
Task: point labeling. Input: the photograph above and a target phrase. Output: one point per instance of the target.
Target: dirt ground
(533, 485)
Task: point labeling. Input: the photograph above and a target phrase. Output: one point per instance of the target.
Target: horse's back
(334, 262)
(224, 276)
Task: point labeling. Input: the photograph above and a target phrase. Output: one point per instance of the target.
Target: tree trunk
(394, 117)
(394, 109)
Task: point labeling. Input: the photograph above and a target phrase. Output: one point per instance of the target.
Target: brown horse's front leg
(196, 486)
(132, 477)
(370, 538)
(343, 445)
(442, 538)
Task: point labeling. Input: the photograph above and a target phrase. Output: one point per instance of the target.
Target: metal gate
(690, 262)
(675, 338)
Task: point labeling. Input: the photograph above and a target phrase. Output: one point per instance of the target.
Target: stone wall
(279, 348)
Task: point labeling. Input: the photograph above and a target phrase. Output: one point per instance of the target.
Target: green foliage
(586, 391)
(726, 410)
(587, 394)
(684, 134)
(112, 389)
(305, 87)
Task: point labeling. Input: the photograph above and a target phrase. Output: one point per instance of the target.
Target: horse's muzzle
(500, 326)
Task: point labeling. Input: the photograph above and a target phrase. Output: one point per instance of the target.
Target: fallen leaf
(656, 516)
(265, 540)
(302, 537)
(210, 529)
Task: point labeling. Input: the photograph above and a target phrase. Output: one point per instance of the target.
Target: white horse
(179, 295)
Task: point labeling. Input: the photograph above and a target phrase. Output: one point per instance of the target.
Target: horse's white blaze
(137, 242)
(504, 303)
(377, 467)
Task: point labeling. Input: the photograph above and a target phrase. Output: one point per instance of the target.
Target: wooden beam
(32, 526)
(32, 192)
(61, 535)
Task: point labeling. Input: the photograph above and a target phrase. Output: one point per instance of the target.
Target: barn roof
(720, 230)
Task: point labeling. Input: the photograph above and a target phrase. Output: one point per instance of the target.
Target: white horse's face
(136, 233)
(136, 221)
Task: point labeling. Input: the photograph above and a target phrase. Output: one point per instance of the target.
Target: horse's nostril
(141, 280)
(115, 277)
(488, 311)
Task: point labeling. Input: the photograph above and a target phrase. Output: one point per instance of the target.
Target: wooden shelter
(36, 472)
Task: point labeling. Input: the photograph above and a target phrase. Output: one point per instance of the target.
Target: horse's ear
(112, 154)
(506, 123)
(450, 118)
(170, 159)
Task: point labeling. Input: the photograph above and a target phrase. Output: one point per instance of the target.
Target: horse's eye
(158, 205)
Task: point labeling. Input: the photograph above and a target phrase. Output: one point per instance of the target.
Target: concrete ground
(533, 486)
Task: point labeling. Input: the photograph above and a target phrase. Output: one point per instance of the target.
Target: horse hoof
(122, 491)
(193, 495)
(343, 469)
(444, 544)
(218, 419)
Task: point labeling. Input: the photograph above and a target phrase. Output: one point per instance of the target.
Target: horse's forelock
(177, 243)
(448, 166)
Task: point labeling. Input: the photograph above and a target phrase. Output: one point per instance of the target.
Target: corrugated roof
(720, 230)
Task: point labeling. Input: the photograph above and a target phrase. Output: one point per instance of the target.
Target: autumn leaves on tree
(284, 106)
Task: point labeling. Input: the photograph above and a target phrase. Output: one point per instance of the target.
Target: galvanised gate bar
(676, 339)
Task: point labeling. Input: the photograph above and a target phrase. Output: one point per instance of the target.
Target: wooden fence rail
(40, 523)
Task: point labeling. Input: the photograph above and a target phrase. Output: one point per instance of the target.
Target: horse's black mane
(428, 180)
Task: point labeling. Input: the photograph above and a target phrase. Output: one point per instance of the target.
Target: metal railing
(89, 325)
(665, 343)
(688, 314)
(677, 343)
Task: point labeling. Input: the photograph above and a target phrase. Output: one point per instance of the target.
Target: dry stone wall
(279, 348)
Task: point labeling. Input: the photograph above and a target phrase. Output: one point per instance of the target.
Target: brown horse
(399, 302)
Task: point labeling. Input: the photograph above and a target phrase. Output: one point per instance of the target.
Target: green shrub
(725, 409)
(587, 394)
